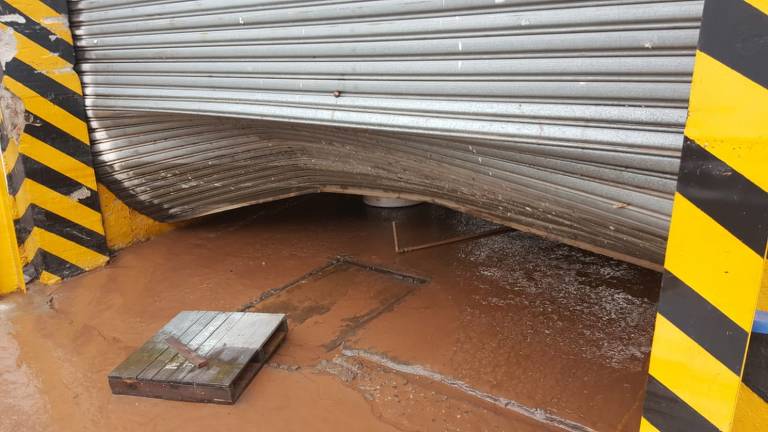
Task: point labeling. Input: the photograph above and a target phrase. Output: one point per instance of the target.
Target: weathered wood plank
(260, 358)
(189, 354)
(265, 326)
(178, 361)
(220, 363)
(236, 349)
(172, 391)
(168, 354)
(236, 345)
(132, 366)
(209, 348)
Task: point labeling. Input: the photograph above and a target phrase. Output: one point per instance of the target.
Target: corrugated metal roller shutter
(564, 117)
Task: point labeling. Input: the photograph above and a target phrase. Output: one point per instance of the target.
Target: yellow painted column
(125, 226)
(51, 179)
(715, 259)
(11, 276)
(752, 405)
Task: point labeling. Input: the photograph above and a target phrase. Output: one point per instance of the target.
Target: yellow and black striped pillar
(719, 231)
(50, 175)
(11, 276)
(752, 405)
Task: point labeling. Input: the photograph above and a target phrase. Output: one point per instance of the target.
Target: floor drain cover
(201, 356)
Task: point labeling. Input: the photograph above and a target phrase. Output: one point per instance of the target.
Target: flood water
(510, 333)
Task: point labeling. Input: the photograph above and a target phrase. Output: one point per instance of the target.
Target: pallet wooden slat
(236, 350)
(209, 347)
(138, 361)
(177, 361)
(168, 354)
(236, 345)
(188, 353)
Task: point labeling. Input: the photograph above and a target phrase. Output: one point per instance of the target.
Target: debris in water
(201, 356)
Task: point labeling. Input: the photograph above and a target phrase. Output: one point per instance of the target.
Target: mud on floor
(509, 333)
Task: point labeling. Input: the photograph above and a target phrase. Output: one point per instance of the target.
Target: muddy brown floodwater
(510, 333)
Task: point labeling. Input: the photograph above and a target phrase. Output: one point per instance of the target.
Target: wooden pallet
(235, 346)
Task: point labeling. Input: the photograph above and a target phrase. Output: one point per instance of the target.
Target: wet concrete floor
(510, 333)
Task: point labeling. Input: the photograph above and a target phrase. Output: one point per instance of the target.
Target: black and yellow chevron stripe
(752, 406)
(719, 231)
(59, 225)
(11, 276)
